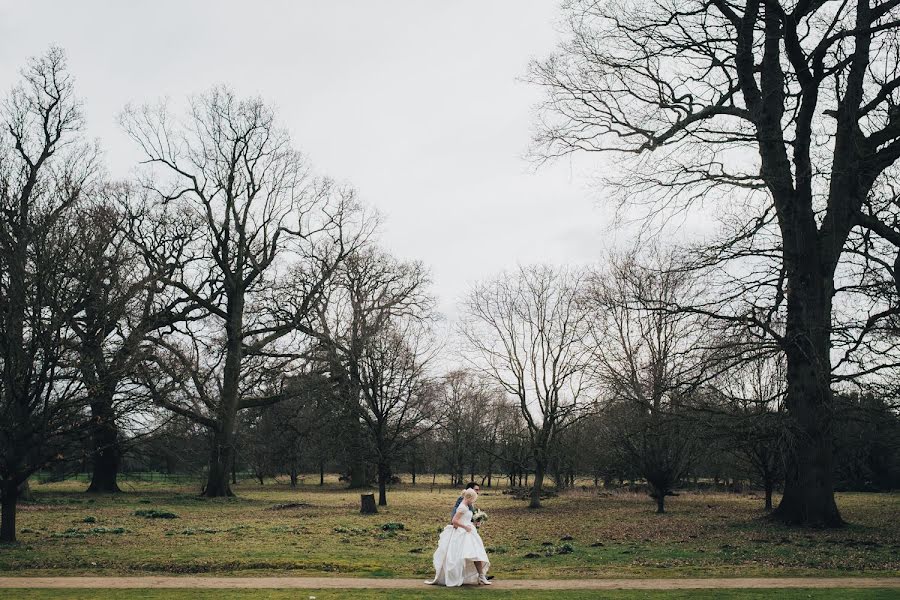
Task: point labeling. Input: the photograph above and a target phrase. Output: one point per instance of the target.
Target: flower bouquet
(479, 517)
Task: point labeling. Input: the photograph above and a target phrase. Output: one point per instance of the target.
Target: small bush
(89, 520)
(155, 514)
(565, 549)
(393, 527)
(69, 533)
(113, 530)
(78, 533)
(562, 549)
(350, 530)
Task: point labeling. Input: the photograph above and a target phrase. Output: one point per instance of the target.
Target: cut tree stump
(367, 504)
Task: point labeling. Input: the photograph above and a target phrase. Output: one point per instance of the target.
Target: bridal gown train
(457, 552)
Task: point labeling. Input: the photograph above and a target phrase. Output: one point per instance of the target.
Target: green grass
(441, 594)
(703, 535)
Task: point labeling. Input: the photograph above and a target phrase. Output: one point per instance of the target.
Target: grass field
(445, 594)
(66, 532)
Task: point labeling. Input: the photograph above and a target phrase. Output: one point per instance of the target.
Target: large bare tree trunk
(809, 486)
(294, 474)
(383, 473)
(15, 376)
(107, 448)
(539, 468)
(221, 456)
(353, 442)
(356, 462)
(222, 450)
(660, 498)
(9, 493)
(358, 477)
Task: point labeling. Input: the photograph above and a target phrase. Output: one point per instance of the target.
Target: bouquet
(479, 516)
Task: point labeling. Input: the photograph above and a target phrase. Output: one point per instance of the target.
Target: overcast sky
(419, 105)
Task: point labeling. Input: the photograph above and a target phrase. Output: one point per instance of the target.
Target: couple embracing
(460, 557)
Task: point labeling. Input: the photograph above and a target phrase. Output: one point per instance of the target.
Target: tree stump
(367, 504)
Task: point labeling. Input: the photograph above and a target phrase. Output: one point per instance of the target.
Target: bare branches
(261, 240)
(810, 91)
(372, 331)
(45, 169)
(527, 332)
(654, 363)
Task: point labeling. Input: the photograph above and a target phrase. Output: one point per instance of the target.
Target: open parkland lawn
(577, 535)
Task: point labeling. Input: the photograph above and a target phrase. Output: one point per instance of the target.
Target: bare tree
(753, 420)
(528, 331)
(783, 116)
(399, 400)
(257, 215)
(513, 441)
(370, 293)
(651, 362)
(465, 422)
(298, 428)
(122, 302)
(45, 169)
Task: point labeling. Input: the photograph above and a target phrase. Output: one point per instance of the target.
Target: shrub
(155, 514)
(113, 530)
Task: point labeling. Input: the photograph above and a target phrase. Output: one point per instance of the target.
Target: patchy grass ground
(442, 594)
(164, 529)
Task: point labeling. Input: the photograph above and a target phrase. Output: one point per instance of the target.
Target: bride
(460, 557)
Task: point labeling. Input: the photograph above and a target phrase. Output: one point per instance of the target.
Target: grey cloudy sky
(416, 104)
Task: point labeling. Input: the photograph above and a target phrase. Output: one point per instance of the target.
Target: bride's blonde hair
(470, 494)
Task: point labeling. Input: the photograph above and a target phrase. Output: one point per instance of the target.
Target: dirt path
(516, 584)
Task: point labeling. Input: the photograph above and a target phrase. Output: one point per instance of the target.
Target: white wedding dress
(457, 551)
